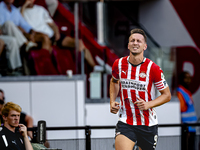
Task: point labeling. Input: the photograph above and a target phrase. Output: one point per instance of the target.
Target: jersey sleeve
(158, 77)
(115, 70)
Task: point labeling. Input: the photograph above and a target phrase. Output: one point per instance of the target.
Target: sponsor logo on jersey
(132, 84)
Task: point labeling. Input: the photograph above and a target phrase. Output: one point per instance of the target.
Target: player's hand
(23, 130)
(142, 104)
(114, 107)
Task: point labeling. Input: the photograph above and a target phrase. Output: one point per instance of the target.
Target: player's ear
(128, 43)
(145, 47)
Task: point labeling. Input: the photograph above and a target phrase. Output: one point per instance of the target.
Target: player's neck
(136, 59)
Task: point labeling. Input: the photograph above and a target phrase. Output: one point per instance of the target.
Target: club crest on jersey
(142, 75)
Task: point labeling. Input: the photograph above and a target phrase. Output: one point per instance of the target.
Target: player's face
(12, 119)
(137, 44)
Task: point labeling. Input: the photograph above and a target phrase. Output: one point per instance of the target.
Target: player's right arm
(114, 90)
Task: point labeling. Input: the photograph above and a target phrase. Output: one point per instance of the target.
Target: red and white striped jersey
(141, 81)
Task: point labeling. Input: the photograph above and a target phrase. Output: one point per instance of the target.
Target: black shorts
(146, 137)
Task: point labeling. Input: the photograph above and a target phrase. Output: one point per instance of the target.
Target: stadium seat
(63, 59)
(42, 62)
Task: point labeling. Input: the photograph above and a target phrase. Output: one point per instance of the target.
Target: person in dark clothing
(24, 118)
(9, 137)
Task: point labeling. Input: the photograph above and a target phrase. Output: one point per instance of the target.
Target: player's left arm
(163, 88)
(163, 98)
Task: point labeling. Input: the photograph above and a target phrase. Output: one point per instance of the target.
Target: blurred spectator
(12, 52)
(188, 114)
(24, 118)
(10, 138)
(18, 31)
(38, 17)
(2, 45)
(13, 24)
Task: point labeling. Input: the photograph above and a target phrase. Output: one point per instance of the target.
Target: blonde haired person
(9, 137)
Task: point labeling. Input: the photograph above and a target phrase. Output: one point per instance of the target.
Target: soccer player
(136, 77)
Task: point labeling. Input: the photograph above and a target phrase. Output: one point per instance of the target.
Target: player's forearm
(114, 90)
(163, 98)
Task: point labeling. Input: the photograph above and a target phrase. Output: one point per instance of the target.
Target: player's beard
(136, 53)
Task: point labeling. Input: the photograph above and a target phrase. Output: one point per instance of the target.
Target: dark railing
(89, 128)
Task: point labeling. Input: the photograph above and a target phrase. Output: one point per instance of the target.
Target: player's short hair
(140, 31)
(10, 106)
